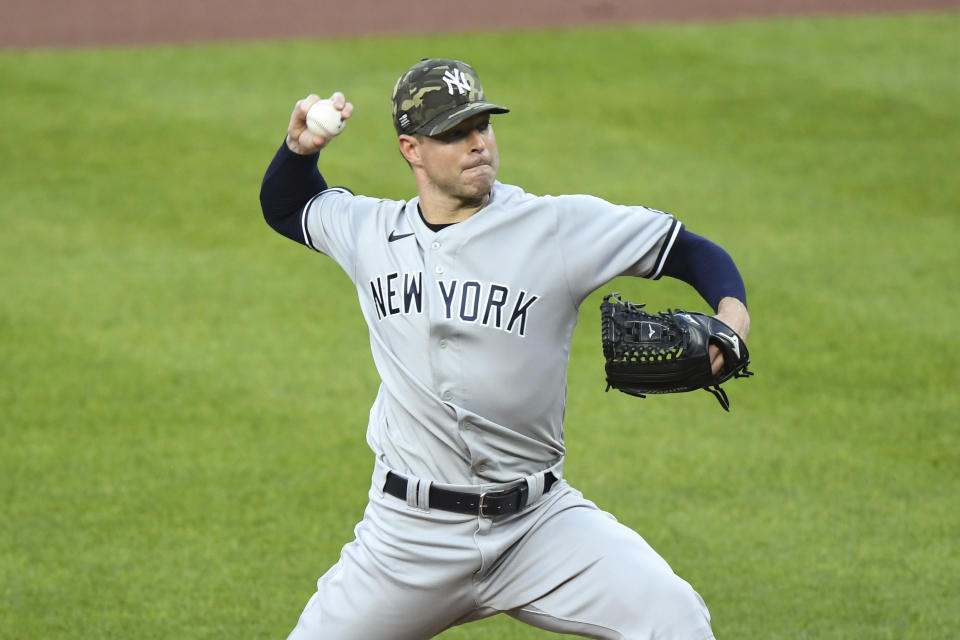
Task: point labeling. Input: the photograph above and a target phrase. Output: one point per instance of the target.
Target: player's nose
(476, 141)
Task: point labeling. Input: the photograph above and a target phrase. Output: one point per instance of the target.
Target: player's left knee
(678, 611)
(660, 605)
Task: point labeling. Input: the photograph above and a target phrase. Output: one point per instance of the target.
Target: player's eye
(460, 132)
(450, 136)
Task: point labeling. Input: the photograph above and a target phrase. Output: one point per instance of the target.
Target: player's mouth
(477, 167)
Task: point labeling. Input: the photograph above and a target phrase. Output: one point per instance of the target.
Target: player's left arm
(709, 269)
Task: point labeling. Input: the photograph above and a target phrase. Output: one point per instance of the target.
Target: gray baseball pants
(562, 564)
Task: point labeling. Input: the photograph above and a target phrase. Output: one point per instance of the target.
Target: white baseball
(323, 119)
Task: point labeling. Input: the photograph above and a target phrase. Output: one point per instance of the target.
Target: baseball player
(471, 290)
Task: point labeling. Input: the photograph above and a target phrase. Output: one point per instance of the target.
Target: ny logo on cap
(456, 79)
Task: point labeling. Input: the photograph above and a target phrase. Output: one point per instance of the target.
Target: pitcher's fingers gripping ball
(324, 119)
(300, 138)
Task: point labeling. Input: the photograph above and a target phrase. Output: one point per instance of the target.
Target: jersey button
(447, 395)
(439, 268)
(435, 246)
(443, 344)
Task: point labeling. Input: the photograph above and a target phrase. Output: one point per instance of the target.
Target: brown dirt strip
(73, 23)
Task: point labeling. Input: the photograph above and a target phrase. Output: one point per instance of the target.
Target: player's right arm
(292, 178)
(300, 139)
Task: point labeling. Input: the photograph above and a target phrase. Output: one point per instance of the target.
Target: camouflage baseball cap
(436, 95)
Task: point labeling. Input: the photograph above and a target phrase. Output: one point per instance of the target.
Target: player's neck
(443, 209)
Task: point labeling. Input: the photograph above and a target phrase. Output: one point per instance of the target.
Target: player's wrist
(731, 303)
(734, 312)
(298, 151)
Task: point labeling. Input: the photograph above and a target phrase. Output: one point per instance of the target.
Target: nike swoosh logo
(393, 237)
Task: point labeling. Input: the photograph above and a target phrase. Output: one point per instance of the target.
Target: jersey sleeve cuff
(670, 239)
(304, 223)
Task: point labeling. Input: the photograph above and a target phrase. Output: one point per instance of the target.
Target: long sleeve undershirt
(706, 267)
(289, 183)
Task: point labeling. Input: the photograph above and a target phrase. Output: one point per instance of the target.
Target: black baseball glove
(667, 352)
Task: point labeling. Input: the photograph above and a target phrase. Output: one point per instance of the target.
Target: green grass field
(184, 393)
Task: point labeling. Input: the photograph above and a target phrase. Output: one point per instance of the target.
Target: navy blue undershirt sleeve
(706, 267)
(289, 183)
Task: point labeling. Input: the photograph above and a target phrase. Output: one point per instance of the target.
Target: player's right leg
(406, 575)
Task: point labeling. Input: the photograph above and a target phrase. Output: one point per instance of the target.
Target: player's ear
(409, 149)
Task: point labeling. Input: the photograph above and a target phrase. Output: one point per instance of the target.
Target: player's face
(463, 162)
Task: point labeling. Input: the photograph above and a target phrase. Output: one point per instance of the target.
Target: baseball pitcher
(471, 290)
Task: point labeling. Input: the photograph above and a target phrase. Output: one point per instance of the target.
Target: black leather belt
(489, 503)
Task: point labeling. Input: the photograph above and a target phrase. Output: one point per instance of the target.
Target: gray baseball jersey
(470, 326)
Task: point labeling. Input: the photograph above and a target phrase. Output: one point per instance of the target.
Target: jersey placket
(444, 348)
(447, 356)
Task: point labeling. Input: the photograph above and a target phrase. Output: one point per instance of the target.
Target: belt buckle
(521, 488)
(483, 497)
